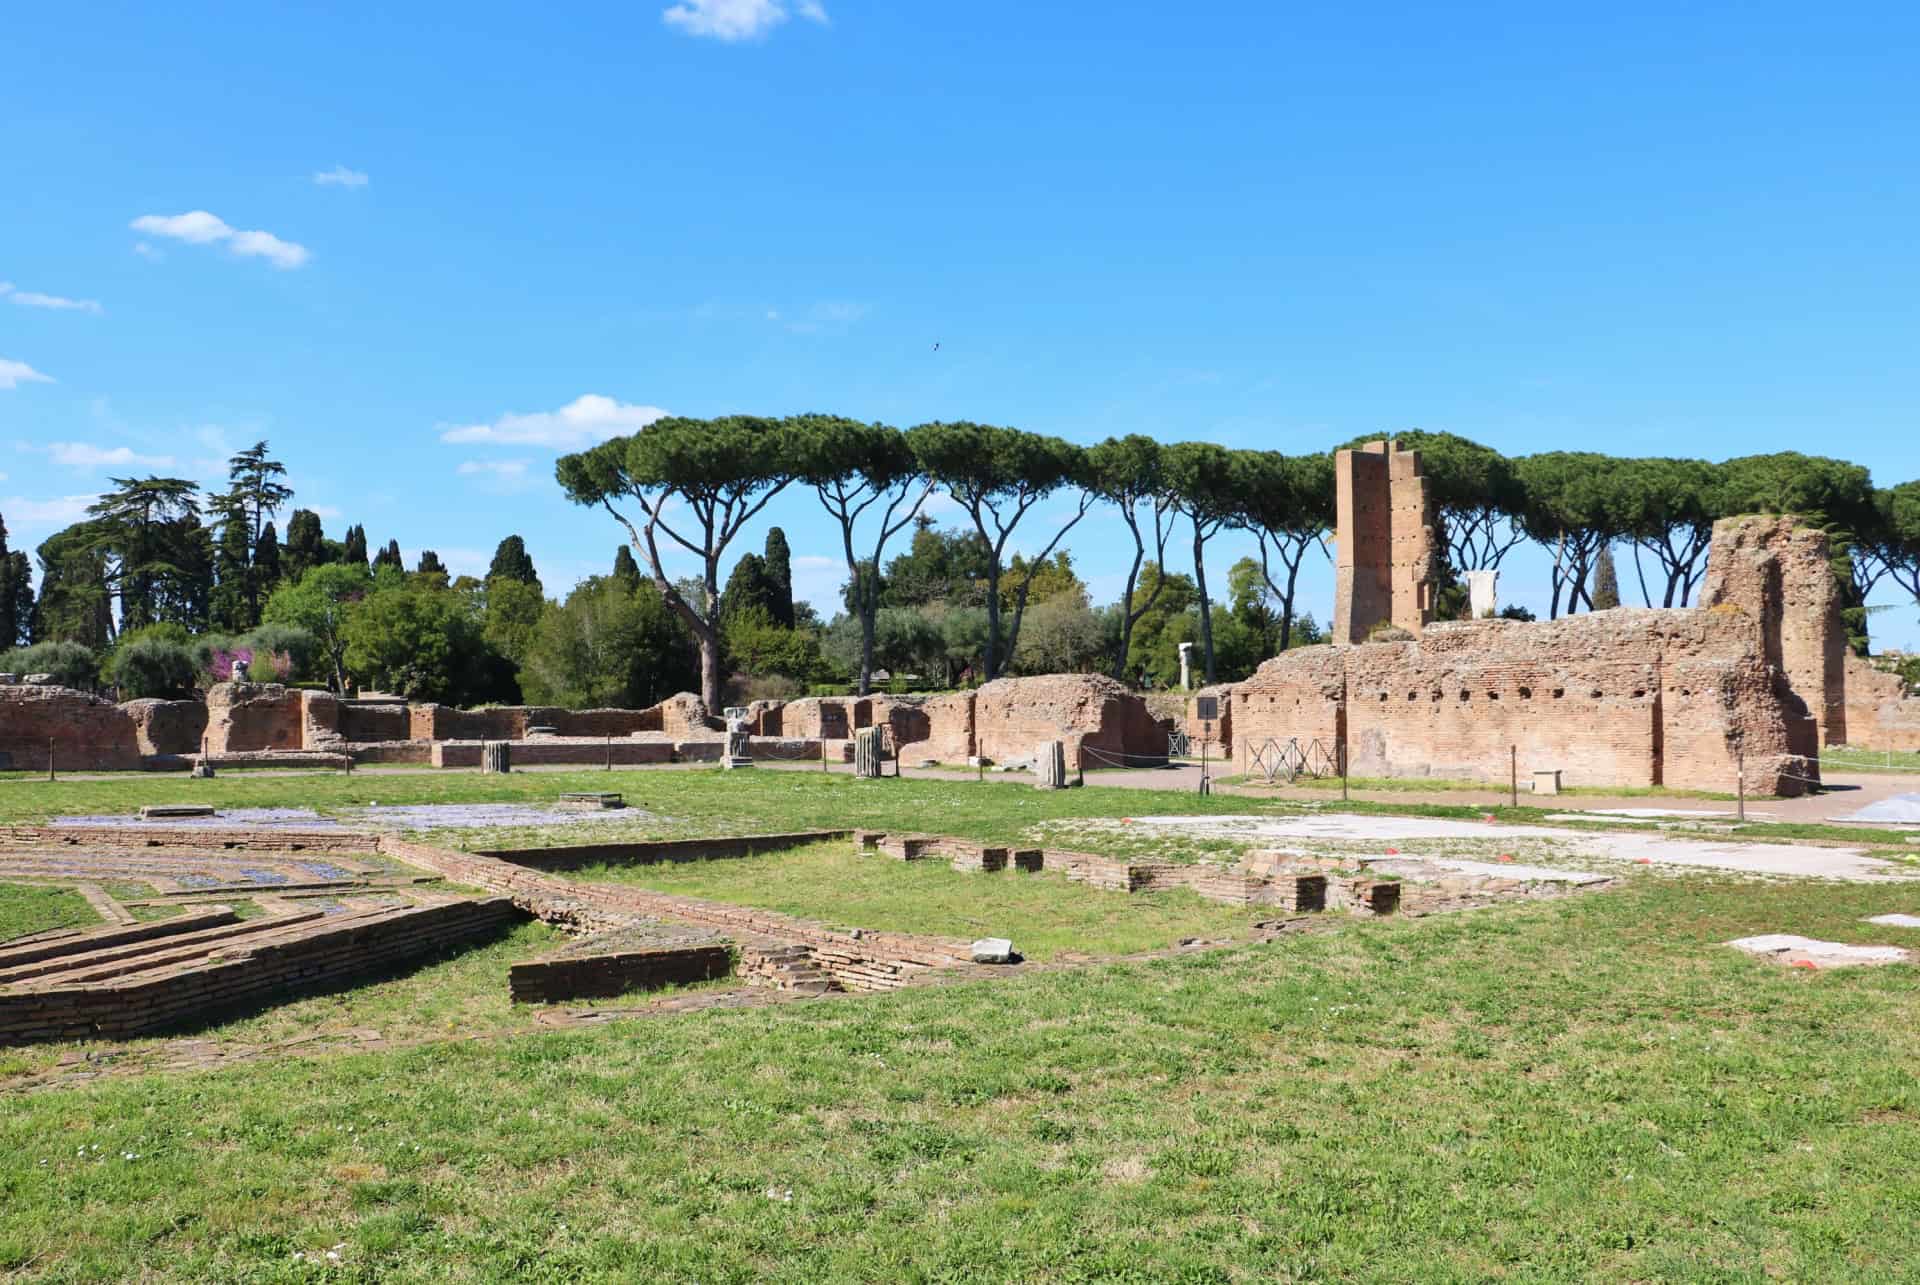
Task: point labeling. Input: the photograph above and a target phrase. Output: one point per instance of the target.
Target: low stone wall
(329, 952)
(546, 750)
(370, 721)
(661, 851)
(556, 979)
(1101, 722)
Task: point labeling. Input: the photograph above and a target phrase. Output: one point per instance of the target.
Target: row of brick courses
(557, 979)
(116, 838)
(19, 953)
(661, 851)
(360, 721)
(412, 753)
(1101, 723)
(1880, 714)
(316, 956)
(1217, 734)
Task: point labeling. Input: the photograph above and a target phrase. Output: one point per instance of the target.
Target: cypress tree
(306, 545)
(1606, 582)
(430, 565)
(267, 567)
(390, 557)
(16, 595)
(511, 560)
(625, 569)
(779, 570)
(355, 552)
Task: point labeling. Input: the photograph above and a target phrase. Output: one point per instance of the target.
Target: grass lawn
(1587, 1088)
(1043, 914)
(26, 908)
(1846, 758)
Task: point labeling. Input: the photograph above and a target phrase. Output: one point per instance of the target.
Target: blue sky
(1629, 229)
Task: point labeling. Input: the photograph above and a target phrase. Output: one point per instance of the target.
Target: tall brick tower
(1384, 565)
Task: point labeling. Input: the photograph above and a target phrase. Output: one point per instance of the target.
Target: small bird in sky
(936, 345)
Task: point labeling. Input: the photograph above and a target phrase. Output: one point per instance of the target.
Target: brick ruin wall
(83, 733)
(1102, 723)
(254, 716)
(1219, 733)
(1880, 714)
(1781, 574)
(1629, 697)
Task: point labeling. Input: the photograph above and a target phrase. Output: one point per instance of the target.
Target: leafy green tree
(1570, 511)
(430, 565)
(1129, 473)
(306, 544)
(938, 566)
(861, 471)
(997, 476)
(322, 603)
(511, 561)
(419, 638)
(609, 645)
(759, 646)
(232, 569)
(255, 493)
(1062, 635)
(511, 613)
(148, 529)
(75, 603)
(1287, 502)
(1201, 478)
(1606, 581)
(1154, 658)
(1902, 536)
(749, 588)
(16, 595)
(270, 638)
(1667, 508)
(698, 482)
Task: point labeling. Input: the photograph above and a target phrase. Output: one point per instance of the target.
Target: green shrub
(265, 641)
(71, 664)
(153, 666)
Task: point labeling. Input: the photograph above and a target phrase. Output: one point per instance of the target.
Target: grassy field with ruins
(1587, 1087)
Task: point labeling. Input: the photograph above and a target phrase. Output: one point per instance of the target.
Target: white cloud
(146, 251)
(34, 299)
(62, 510)
(340, 176)
(737, 19)
(197, 227)
(15, 373)
(584, 421)
(84, 456)
(495, 468)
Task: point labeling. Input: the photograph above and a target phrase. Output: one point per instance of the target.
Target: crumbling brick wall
(948, 732)
(1618, 698)
(254, 716)
(1880, 714)
(363, 721)
(167, 727)
(1781, 573)
(85, 732)
(1101, 722)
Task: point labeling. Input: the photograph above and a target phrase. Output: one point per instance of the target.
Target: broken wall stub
(246, 717)
(1780, 572)
(1101, 723)
(84, 731)
(1386, 555)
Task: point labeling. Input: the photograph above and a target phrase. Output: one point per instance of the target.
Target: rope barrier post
(1341, 750)
(979, 769)
(1742, 762)
(49, 758)
(823, 755)
(1513, 766)
(1206, 731)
